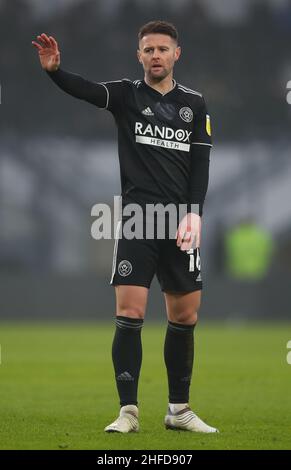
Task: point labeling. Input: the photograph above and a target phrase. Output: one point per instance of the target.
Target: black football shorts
(136, 261)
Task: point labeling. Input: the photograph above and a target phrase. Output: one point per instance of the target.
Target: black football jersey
(157, 136)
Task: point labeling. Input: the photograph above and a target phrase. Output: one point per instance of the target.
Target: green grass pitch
(57, 388)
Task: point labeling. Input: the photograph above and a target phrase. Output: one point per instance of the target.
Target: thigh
(131, 301)
(178, 271)
(134, 262)
(183, 307)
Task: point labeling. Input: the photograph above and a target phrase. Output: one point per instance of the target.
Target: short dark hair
(158, 27)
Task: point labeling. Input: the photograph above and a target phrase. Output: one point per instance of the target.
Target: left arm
(189, 230)
(190, 227)
(199, 175)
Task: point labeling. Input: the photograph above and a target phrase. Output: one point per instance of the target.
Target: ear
(138, 56)
(177, 53)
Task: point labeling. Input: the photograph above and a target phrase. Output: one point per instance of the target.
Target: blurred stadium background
(58, 155)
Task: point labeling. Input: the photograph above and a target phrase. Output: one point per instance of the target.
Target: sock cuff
(180, 327)
(128, 323)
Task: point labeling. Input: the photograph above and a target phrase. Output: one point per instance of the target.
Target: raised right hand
(48, 51)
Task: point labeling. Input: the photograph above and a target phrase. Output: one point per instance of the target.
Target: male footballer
(164, 142)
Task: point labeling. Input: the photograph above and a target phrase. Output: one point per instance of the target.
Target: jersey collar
(153, 90)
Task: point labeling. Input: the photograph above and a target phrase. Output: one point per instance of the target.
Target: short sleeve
(202, 126)
(114, 91)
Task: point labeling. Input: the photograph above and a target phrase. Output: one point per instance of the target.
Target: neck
(162, 86)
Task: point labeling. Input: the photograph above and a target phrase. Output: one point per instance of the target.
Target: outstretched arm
(71, 83)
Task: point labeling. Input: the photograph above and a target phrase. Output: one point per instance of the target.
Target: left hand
(189, 232)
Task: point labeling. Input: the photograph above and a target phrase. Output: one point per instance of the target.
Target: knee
(130, 311)
(186, 317)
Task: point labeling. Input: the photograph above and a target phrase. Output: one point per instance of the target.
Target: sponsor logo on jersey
(186, 114)
(124, 268)
(163, 137)
(148, 112)
(208, 125)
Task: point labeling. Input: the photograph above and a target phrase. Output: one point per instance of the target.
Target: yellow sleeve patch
(208, 125)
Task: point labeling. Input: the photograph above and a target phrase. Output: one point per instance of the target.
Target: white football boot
(127, 420)
(186, 420)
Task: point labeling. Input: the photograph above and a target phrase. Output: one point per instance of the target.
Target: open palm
(48, 51)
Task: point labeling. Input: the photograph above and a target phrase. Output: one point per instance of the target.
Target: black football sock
(127, 357)
(179, 356)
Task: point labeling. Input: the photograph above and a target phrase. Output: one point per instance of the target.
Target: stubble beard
(158, 78)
